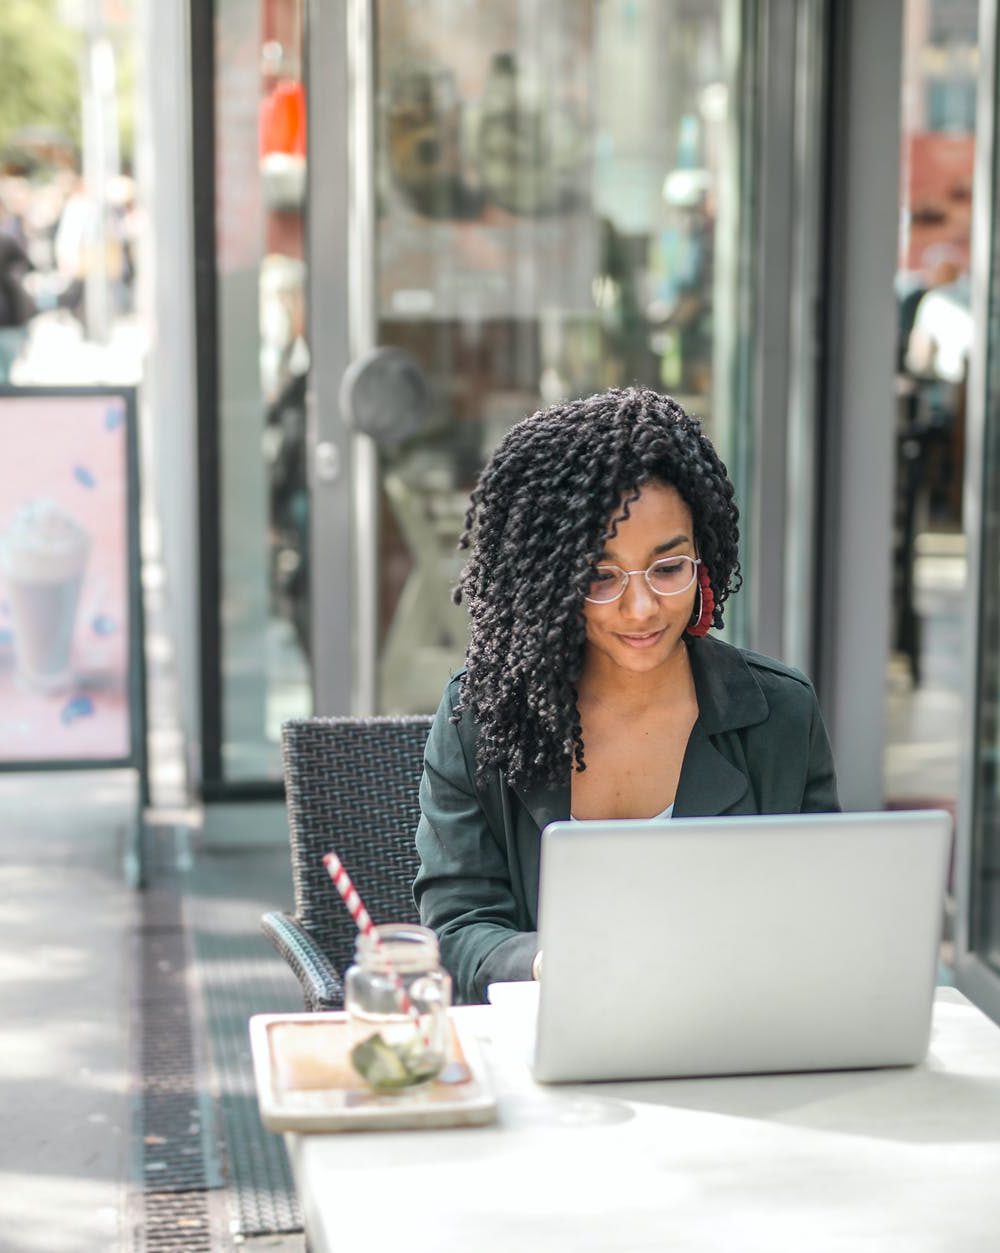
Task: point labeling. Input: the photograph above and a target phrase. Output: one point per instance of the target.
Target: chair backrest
(352, 786)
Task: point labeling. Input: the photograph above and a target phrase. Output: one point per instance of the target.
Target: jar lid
(400, 946)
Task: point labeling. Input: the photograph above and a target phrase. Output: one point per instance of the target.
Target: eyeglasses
(667, 577)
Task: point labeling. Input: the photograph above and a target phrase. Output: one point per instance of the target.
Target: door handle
(327, 462)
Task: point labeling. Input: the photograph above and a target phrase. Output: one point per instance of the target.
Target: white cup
(43, 557)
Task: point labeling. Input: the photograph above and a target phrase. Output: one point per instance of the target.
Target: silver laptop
(716, 946)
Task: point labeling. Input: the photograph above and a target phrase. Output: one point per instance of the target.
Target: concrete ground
(926, 723)
(68, 921)
(71, 1149)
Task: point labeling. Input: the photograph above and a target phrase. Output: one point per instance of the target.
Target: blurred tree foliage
(39, 70)
(124, 43)
(40, 62)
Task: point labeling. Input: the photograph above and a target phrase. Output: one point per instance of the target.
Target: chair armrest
(321, 984)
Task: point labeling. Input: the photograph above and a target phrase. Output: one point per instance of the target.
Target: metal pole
(363, 322)
(100, 164)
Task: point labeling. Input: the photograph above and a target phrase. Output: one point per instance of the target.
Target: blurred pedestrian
(12, 215)
(17, 307)
(76, 239)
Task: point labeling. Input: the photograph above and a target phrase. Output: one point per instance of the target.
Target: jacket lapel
(709, 784)
(729, 698)
(545, 803)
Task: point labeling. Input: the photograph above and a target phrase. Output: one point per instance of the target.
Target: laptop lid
(713, 946)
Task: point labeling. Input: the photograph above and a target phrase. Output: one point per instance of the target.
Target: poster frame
(137, 756)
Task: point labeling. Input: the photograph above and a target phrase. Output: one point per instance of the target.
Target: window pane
(262, 363)
(985, 921)
(557, 186)
(932, 355)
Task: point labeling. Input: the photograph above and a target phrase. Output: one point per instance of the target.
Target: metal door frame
(790, 95)
(339, 231)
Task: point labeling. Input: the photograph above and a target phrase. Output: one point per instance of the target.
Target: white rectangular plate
(305, 1081)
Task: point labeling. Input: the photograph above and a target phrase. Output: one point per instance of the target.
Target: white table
(877, 1161)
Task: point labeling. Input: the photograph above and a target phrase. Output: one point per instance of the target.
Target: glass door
(934, 336)
(253, 364)
(544, 202)
(978, 869)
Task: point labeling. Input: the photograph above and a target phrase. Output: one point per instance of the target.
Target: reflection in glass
(263, 365)
(550, 179)
(934, 338)
(985, 921)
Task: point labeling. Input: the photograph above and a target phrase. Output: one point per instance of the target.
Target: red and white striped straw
(356, 908)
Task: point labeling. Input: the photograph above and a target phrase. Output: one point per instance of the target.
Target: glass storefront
(531, 203)
(556, 199)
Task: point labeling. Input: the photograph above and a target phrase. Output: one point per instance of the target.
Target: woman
(603, 537)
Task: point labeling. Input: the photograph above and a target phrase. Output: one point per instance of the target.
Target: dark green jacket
(759, 746)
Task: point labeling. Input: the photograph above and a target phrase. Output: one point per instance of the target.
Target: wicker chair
(352, 786)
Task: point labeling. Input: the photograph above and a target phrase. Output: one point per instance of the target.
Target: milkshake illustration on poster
(64, 571)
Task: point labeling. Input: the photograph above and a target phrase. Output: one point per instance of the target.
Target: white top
(941, 340)
(666, 813)
(900, 1161)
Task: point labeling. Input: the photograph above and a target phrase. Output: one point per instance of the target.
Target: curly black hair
(537, 522)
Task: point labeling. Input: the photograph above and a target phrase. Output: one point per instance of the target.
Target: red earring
(706, 604)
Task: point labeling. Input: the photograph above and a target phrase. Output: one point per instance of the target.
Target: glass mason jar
(397, 997)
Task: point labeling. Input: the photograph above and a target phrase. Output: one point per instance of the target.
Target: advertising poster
(67, 672)
(938, 168)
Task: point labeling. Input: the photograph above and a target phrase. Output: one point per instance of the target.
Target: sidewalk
(65, 984)
(97, 981)
(75, 1026)
(58, 354)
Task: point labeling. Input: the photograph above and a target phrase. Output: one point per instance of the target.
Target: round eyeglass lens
(607, 583)
(671, 576)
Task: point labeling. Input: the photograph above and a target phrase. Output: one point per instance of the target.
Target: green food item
(390, 1067)
(420, 1063)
